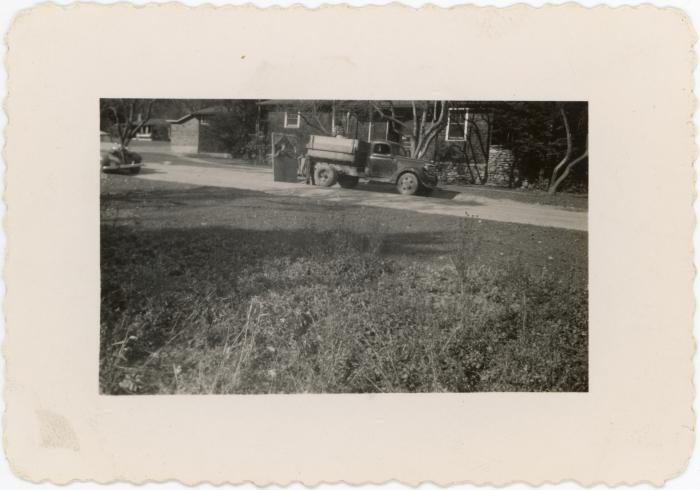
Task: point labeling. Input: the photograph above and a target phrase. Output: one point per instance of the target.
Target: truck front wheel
(348, 181)
(407, 184)
(325, 176)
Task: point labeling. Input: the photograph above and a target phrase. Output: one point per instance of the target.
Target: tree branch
(391, 117)
(430, 132)
(133, 131)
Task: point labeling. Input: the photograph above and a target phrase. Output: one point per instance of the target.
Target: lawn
(210, 290)
(564, 200)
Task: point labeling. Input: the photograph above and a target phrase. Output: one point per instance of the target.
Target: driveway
(197, 171)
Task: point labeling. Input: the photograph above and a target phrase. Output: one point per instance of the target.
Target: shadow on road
(150, 171)
(384, 188)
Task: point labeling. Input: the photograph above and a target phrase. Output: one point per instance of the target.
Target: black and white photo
(343, 246)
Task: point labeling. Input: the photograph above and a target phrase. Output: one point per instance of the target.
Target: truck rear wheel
(325, 176)
(348, 181)
(407, 184)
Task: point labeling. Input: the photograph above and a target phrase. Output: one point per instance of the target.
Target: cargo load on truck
(351, 151)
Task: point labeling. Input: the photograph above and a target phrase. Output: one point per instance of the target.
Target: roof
(156, 121)
(341, 103)
(363, 103)
(282, 101)
(207, 111)
(215, 109)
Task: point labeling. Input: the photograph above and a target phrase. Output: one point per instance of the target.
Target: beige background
(633, 65)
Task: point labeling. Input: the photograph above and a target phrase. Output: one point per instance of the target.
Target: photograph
(382, 260)
(277, 246)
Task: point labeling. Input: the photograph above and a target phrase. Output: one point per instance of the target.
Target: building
(155, 129)
(466, 132)
(193, 133)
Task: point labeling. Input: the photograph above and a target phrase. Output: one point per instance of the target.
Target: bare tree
(428, 118)
(563, 168)
(312, 116)
(128, 116)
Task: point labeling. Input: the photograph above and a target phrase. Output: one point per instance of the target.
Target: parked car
(121, 160)
(346, 161)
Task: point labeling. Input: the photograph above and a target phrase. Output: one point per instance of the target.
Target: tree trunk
(555, 185)
(563, 168)
(569, 151)
(424, 130)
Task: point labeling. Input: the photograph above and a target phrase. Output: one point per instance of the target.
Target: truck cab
(381, 162)
(389, 162)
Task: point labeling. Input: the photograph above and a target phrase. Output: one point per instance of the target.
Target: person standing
(309, 166)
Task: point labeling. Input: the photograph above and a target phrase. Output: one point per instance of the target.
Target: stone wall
(500, 161)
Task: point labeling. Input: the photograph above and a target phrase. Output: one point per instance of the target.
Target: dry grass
(321, 307)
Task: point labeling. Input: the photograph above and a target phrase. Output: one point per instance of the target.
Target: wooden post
(332, 117)
(258, 141)
(272, 143)
(436, 146)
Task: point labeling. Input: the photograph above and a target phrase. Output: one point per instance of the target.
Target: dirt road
(207, 173)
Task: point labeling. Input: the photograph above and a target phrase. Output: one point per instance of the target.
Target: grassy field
(208, 290)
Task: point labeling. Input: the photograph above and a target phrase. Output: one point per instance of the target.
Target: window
(204, 120)
(381, 149)
(456, 124)
(292, 119)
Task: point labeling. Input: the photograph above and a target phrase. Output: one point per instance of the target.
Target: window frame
(287, 124)
(450, 110)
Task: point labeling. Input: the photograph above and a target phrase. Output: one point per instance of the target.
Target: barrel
(284, 168)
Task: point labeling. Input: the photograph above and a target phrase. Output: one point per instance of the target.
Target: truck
(346, 161)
